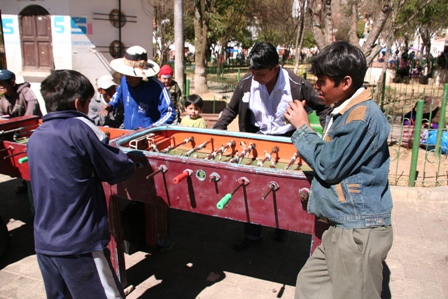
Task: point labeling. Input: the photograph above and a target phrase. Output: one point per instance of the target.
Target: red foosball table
(240, 176)
(14, 134)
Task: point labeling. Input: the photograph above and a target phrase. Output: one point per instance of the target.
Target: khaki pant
(347, 264)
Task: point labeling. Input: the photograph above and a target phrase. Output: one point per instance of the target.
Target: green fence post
(239, 74)
(383, 91)
(416, 143)
(304, 75)
(442, 117)
(187, 87)
(184, 87)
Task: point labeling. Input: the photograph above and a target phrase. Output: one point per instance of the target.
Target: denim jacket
(350, 186)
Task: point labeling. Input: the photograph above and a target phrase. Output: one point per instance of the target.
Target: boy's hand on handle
(296, 114)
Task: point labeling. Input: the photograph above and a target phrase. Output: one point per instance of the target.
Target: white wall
(91, 51)
(11, 38)
(80, 42)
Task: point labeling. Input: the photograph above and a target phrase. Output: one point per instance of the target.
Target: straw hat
(135, 63)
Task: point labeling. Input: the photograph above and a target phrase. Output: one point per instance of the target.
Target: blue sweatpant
(80, 276)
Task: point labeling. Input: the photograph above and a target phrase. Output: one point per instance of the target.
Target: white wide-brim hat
(135, 63)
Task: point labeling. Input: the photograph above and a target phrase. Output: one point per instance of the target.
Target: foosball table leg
(116, 240)
(157, 226)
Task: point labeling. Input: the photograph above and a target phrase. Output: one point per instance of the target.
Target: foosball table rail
(220, 146)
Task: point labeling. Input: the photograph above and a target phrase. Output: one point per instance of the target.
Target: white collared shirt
(268, 109)
(338, 109)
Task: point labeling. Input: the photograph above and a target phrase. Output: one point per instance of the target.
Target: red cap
(166, 71)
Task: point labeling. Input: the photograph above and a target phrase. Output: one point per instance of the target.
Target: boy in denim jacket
(350, 188)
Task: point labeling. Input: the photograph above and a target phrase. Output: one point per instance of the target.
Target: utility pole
(179, 44)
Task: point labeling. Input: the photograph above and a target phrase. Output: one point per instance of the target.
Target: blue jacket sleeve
(336, 159)
(110, 164)
(166, 108)
(117, 98)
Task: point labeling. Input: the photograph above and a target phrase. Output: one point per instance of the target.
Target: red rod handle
(182, 176)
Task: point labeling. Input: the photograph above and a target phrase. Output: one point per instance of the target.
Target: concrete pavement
(203, 264)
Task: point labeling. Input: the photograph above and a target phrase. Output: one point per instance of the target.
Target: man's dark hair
(263, 56)
(195, 100)
(62, 87)
(338, 60)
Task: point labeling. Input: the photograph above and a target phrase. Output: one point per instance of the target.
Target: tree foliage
(215, 23)
(426, 19)
(163, 22)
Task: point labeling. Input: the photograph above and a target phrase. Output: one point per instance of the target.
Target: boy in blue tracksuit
(69, 159)
(350, 188)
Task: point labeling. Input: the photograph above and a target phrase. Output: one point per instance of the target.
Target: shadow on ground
(203, 255)
(15, 209)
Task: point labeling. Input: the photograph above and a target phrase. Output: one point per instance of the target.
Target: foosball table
(238, 176)
(14, 134)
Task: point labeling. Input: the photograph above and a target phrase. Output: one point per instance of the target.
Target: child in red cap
(166, 77)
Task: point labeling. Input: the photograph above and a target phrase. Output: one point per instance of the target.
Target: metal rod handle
(186, 173)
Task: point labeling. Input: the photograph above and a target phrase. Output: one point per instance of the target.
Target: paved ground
(203, 265)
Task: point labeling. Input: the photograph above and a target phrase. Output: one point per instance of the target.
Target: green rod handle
(23, 160)
(224, 201)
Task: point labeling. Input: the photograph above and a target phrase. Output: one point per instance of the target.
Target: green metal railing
(412, 164)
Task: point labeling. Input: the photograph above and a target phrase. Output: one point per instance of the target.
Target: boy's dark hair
(195, 100)
(263, 56)
(338, 60)
(62, 87)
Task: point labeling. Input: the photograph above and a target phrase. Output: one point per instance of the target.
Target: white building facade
(83, 35)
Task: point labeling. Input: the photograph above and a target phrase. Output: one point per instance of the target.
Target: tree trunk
(353, 33)
(329, 38)
(179, 44)
(320, 11)
(300, 34)
(370, 48)
(323, 34)
(315, 10)
(201, 9)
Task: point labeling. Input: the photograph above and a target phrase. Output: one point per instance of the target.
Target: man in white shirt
(260, 100)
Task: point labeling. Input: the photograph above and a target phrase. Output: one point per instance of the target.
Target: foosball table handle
(242, 181)
(161, 168)
(23, 160)
(224, 201)
(186, 173)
